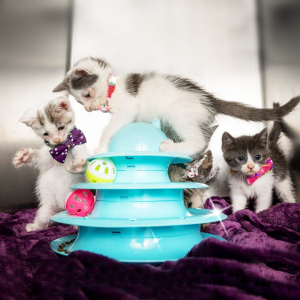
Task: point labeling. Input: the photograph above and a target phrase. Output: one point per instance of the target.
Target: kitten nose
(88, 108)
(250, 166)
(56, 140)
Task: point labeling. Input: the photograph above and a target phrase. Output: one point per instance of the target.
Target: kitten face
(245, 154)
(87, 82)
(52, 121)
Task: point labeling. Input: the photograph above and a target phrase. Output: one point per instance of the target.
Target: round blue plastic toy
(140, 217)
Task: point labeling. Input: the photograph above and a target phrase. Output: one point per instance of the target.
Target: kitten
(184, 108)
(194, 197)
(53, 122)
(245, 155)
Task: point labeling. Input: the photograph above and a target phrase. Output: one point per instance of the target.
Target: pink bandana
(268, 165)
(111, 82)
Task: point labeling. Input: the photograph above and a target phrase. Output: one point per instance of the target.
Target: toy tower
(140, 217)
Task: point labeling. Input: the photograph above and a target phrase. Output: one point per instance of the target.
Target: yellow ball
(101, 170)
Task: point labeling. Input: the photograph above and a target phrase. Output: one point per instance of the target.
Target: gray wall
(214, 42)
(280, 48)
(33, 49)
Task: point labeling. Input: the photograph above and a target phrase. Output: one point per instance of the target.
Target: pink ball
(80, 203)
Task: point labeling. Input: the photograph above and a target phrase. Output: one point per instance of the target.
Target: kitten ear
(81, 72)
(30, 119)
(62, 104)
(262, 137)
(63, 86)
(208, 160)
(227, 141)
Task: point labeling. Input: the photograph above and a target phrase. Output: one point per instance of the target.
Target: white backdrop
(212, 42)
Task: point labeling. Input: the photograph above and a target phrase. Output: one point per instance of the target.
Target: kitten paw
(22, 157)
(167, 146)
(100, 150)
(33, 226)
(76, 167)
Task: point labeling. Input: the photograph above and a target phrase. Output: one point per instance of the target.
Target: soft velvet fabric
(260, 260)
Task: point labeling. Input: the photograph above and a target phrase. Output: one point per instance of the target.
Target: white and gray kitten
(52, 121)
(245, 155)
(184, 108)
(194, 198)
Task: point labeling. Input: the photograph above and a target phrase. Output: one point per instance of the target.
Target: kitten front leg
(239, 200)
(80, 155)
(117, 121)
(264, 199)
(42, 218)
(24, 156)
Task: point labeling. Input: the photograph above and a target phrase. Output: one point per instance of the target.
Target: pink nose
(56, 140)
(250, 166)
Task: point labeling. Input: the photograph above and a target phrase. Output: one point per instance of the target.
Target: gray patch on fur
(41, 118)
(101, 62)
(133, 82)
(170, 132)
(186, 84)
(244, 112)
(82, 82)
(53, 114)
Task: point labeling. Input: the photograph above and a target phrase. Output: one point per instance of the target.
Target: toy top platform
(135, 151)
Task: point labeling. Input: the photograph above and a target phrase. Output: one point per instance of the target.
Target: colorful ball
(101, 170)
(80, 203)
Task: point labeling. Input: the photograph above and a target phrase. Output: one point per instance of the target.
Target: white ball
(101, 170)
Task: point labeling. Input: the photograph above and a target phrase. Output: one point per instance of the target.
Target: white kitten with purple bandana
(54, 122)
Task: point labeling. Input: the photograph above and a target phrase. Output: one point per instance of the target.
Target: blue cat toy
(140, 217)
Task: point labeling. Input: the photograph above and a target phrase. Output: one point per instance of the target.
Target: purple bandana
(59, 152)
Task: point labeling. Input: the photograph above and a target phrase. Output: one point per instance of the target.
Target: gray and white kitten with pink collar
(183, 107)
(245, 155)
(53, 121)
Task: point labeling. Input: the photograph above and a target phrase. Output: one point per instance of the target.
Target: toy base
(143, 247)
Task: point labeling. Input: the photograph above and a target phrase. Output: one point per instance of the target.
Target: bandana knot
(59, 152)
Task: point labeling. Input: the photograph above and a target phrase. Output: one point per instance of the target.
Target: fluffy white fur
(54, 180)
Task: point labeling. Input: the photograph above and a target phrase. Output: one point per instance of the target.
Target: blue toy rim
(178, 157)
(139, 186)
(54, 246)
(199, 216)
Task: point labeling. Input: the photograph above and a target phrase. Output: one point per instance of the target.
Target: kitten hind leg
(285, 190)
(193, 140)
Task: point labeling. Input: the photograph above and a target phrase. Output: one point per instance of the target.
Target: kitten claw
(76, 167)
(22, 157)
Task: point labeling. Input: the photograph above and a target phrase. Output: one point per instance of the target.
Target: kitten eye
(87, 95)
(257, 157)
(241, 158)
(46, 134)
(61, 128)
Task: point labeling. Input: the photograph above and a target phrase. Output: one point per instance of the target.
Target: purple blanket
(261, 260)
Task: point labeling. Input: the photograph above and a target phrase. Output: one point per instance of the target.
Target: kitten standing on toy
(184, 108)
(54, 123)
(257, 167)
